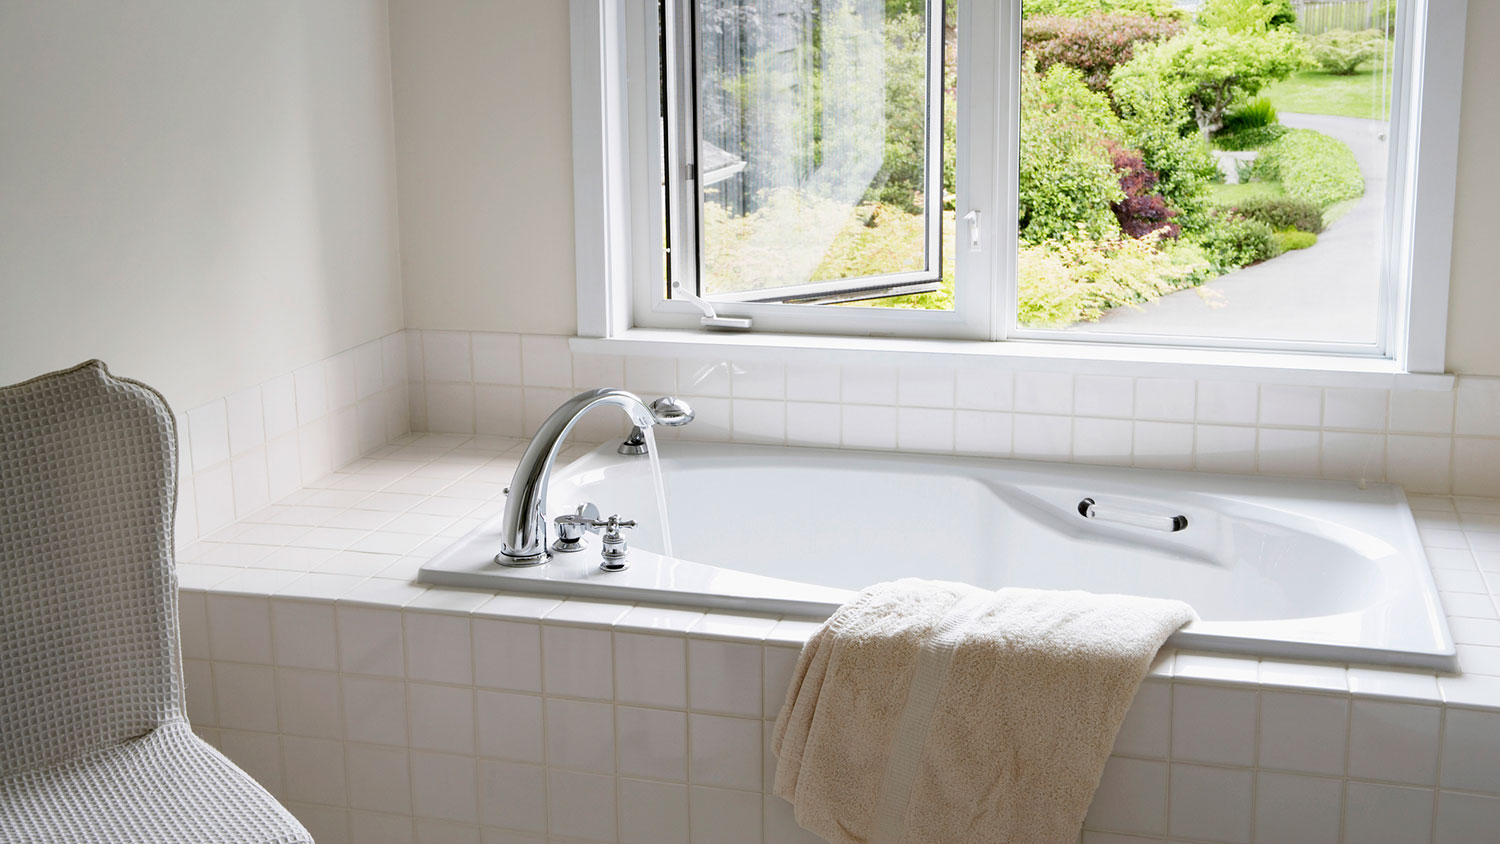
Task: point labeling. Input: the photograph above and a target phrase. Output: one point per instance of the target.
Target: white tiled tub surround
(1440, 442)
(384, 711)
(239, 453)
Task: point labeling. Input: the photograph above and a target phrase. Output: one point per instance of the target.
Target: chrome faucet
(524, 542)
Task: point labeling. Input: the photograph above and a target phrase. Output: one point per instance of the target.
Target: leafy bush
(1249, 138)
(1247, 15)
(1210, 69)
(1282, 213)
(1289, 241)
(1256, 114)
(1082, 8)
(1341, 52)
(1232, 241)
(1096, 44)
(1077, 278)
(1142, 211)
(1153, 119)
(1067, 175)
(1312, 166)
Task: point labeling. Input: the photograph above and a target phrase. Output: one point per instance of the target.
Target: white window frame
(617, 214)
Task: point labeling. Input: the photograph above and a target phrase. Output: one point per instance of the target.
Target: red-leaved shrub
(1143, 210)
(1095, 44)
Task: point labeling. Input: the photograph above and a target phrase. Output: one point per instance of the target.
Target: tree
(1247, 15)
(1341, 52)
(1211, 69)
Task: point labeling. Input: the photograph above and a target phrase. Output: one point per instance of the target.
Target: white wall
(201, 194)
(483, 124)
(485, 162)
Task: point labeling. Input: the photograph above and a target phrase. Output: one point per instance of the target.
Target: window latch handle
(972, 218)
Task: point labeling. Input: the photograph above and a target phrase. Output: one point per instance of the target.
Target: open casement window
(969, 169)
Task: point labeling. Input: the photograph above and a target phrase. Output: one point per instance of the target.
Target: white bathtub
(1279, 568)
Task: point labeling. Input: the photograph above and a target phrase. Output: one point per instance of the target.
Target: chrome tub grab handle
(1089, 509)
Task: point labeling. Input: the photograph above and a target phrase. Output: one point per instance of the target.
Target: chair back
(88, 597)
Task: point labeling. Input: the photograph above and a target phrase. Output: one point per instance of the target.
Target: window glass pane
(816, 170)
(1210, 171)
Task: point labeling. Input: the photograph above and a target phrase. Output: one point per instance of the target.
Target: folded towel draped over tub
(939, 713)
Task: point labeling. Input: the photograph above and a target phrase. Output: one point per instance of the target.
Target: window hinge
(711, 318)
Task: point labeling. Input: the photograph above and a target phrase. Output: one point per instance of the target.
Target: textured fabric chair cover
(94, 744)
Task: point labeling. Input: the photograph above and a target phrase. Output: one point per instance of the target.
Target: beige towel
(938, 713)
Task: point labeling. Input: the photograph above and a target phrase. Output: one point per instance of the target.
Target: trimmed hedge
(1096, 44)
(1289, 241)
(1232, 241)
(1256, 138)
(1312, 166)
(1282, 213)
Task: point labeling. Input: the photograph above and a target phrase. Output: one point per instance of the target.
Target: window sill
(1090, 359)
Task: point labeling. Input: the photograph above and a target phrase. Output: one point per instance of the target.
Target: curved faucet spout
(525, 534)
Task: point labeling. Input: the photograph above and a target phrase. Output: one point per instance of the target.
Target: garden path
(1328, 292)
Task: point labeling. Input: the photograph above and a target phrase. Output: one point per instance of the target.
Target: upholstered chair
(95, 744)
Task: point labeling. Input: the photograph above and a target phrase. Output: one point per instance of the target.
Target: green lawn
(1363, 94)
(1223, 195)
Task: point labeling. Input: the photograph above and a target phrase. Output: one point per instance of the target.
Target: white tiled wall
(1427, 441)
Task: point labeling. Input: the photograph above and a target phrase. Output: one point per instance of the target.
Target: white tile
(446, 356)
(1228, 402)
(1165, 398)
(759, 421)
(869, 385)
(780, 824)
(779, 664)
(507, 655)
(1211, 803)
(314, 450)
(374, 710)
(924, 429)
(1303, 732)
(1132, 797)
(497, 358)
(498, 410)
(1477, 412)
(984, 388)
(198, 687)
(369, 377)
(309, 702)
(1471, 751)
(245, 419)
(1394, 741)
(758, 380)
(1041, 437)
(1213, 724)
(926, 386)
(1422, 411)
(1419, 464)
(652, 742)
(810, 423)
(312, 393)
(1284, 451)
(1224, 448)
(580, 735)
(245, 696)
(1289, 405)
(1291, 809)
(595, 371)
(314, 770)
(981, 432)
(578, 611)
(1044, 392)
(509, 725)
(1387, 814)
(651, 376)
(866, 426)
(1465, 818)
(341, 380)
(1106, 441)
(704, 377)
(443, 786)
(438, 648)
(1362, 409)
(379, 778)
(725, 751)
(721, 816)
(251, 485)
(393, 359)
(450, 408)
(546, 361)
(712, 422)
(653, 813)
(1147, 727)
(370, 641)
(380, 828)
(651, 670)
(1163, 445)
(654, 619)
(513, 795)
(1476, 467)
(239, 628)
(192, 614)
(724, 677)
(1394, 683)
(812, 382)
(581, 805)
(442, 717)
(577, 662)
(259, 754)
(279, 405)
(431, 831)
(1104, 395)
(1353, 456)
(208, 430)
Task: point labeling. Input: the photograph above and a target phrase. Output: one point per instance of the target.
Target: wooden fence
(1316, 16)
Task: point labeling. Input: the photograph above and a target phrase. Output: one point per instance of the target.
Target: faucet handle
(571, 527)
(615, 549)
(671, 411)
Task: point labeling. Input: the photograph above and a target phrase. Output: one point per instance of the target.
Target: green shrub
(1067, 175)
(1096, 44)
(1341, 52)
(1282, 213)
(1249, 138)
(1082, 8)
(1288, 241)
(1232, 241)
(1247, 15)
(1256, 114)
(1312, 166)
(1153, 119)
(1077, 278)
